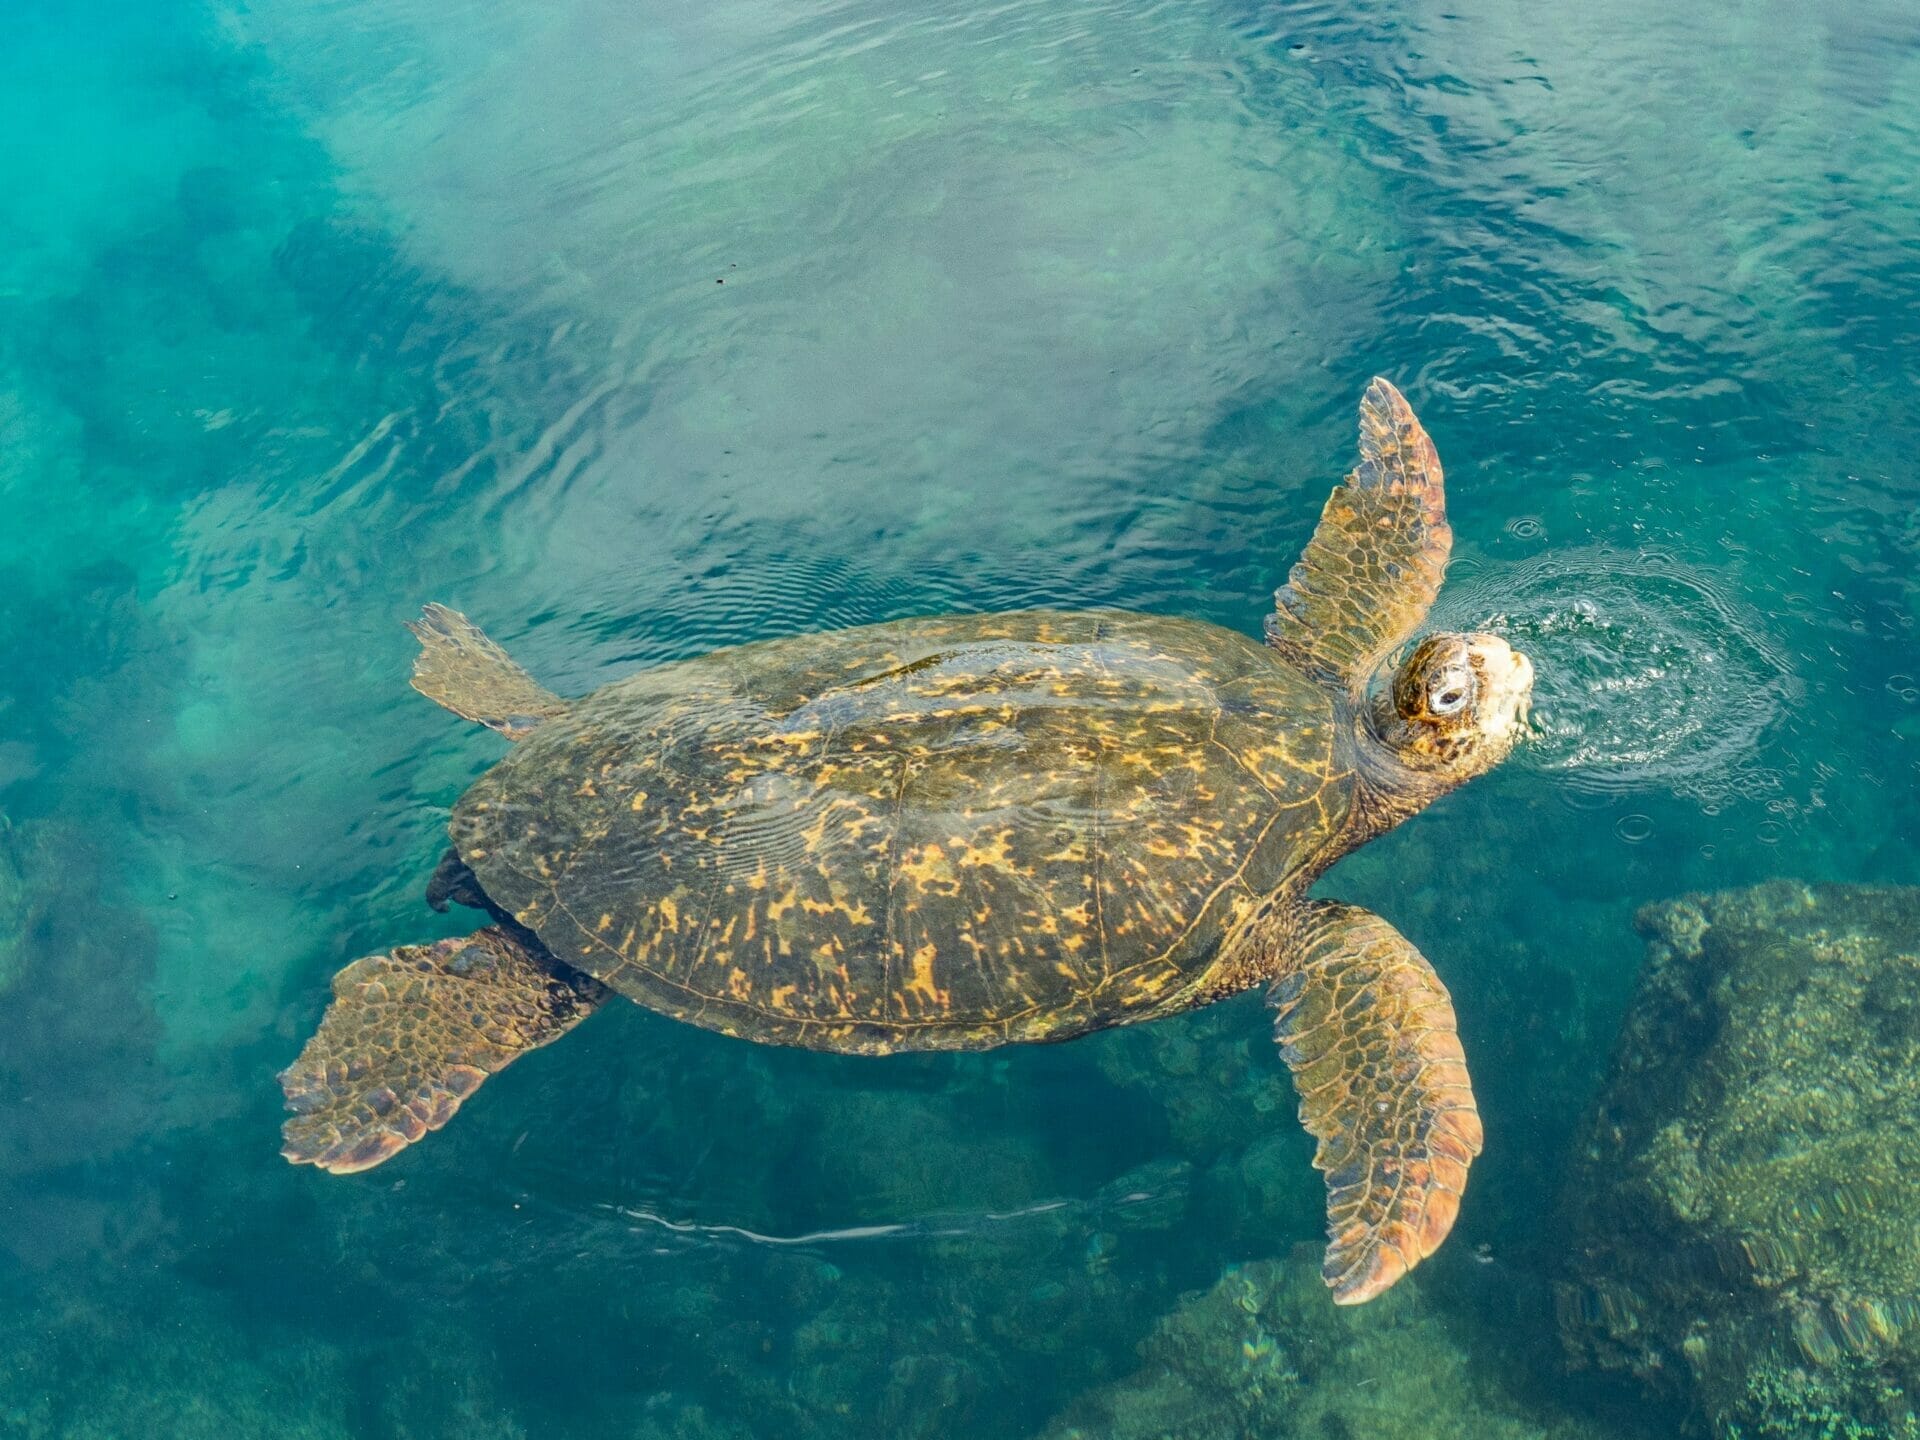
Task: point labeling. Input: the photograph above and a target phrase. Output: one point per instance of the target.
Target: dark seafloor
(636, 330)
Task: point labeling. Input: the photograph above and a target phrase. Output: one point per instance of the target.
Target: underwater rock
(1212, 1083)
(1744, 1203)
(1214, 1077)
(1264, 1355)
(901, 1156)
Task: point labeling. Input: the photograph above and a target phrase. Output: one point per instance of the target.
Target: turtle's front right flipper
(1369, 1032)
(460, 668)
(412, 1034)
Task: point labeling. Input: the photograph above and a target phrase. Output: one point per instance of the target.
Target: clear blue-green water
(635, 330)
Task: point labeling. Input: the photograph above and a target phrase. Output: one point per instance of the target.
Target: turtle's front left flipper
(1375, 563)
(460, 668)
(412, 1034)
(1369, 1032)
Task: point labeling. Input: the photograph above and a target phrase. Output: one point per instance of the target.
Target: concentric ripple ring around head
(1649, 675)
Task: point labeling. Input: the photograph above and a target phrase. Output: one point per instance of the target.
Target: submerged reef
(1264, 1354)
(1743, 1207)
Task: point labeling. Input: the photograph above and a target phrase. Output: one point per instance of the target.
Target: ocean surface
(634, 330)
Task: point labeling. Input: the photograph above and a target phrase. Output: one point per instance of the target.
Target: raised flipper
(1369, 1032)
(1372, 568)
(462, 669)
(412, 1034)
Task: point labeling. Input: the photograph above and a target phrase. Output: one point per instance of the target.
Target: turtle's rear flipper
(462, 669)
(1369, 1033)
(412, 1034)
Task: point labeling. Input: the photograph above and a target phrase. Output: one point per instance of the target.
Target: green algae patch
(1742, 1209)
(1263, 1354)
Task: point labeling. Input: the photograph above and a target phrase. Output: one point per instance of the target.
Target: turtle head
(1456, 705)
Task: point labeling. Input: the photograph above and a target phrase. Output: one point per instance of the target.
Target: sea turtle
(955, 833)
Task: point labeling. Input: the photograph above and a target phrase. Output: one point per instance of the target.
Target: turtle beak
(1506, 702)
(1524, 679)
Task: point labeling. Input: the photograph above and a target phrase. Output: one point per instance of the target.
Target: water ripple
(1651, 675)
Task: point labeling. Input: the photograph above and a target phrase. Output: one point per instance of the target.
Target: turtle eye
(1448, 696)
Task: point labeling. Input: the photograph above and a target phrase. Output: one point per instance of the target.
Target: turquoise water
(636, 330)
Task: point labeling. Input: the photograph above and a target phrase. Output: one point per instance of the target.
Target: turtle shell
(928, 834)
